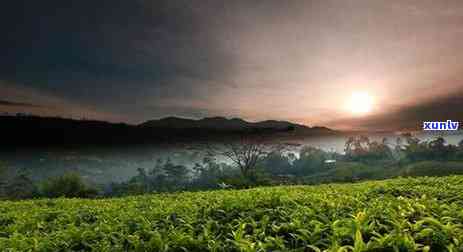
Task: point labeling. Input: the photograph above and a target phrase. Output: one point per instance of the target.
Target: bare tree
(245, 153)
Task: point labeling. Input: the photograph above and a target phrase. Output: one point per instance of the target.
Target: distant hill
(41, 131)
(224, 124)
(216, 123)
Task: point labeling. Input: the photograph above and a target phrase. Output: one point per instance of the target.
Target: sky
(300, 61)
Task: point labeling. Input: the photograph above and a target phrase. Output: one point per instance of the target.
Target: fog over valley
(103, 165)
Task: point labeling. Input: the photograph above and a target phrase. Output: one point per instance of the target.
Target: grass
(403, 214)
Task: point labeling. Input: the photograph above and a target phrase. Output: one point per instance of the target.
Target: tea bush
(403, 214)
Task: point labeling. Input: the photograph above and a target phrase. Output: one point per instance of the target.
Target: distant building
(330, 163)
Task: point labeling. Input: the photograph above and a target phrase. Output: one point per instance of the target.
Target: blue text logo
(448, 125)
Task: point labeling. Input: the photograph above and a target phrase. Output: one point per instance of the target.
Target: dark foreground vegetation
(405, 214)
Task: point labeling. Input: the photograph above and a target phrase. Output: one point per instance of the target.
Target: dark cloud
(258, 59)
(86, 49)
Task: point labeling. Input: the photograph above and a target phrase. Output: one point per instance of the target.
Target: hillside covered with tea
(403, 214)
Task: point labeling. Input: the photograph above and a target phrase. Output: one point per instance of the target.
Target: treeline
(248, 163)
(362, 159)
(70, 185)
(405, 149)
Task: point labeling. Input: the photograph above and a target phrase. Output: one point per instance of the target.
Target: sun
(360, 103)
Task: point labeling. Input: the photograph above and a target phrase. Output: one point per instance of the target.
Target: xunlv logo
(448, 125)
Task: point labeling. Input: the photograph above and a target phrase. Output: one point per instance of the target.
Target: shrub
(276, 163)
(311, 161)
(20, 187)
(70, 185)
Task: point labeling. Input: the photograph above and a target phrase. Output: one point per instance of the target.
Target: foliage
(364, 159)
(276, 163)
(69, 185)
(311, 160)
(164, 176)
(245, 154)
(209, 173)
(410, 214)
(361, 148)
(436, 149)
(257, 164)
(20, 187)
(432, 168)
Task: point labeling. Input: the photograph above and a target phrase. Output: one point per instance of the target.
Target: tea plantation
(404, 214)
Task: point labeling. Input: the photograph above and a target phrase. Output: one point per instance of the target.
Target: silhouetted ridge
(221, 123)
(42, 131)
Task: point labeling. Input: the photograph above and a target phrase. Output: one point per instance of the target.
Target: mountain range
(221, 123)
(36, 130)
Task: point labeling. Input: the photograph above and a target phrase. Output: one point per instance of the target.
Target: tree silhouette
(245, 153)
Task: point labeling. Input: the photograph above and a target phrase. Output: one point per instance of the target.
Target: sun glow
(360, 103)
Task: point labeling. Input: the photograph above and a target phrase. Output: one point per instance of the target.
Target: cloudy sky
(290, 60)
